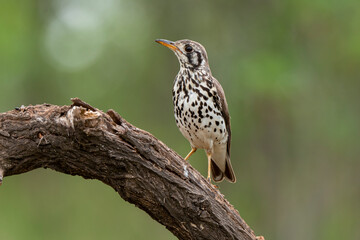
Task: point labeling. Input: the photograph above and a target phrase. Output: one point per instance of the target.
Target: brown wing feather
(229, 172)
(224, 111)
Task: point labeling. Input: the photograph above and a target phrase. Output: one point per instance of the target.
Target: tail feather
(229, 172)
(218, 175)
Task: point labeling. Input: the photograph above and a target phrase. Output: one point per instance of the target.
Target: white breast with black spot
(197, 116)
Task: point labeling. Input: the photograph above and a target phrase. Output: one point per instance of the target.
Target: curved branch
(81, 140)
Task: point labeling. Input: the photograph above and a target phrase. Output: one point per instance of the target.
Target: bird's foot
(260, 238)
(209, 180)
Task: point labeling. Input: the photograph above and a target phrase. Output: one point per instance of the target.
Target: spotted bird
(200, 108)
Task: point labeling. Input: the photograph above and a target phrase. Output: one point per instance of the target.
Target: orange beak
(167, 43)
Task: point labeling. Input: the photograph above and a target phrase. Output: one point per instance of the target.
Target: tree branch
(81, 140)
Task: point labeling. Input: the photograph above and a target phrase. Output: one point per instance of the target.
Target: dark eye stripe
(191, 59)
(199, 58)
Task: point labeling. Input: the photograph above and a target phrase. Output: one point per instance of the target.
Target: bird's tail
(219, 175)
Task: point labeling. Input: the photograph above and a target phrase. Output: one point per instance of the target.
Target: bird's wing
(224, 111)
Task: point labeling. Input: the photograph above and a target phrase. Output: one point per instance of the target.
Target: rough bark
(81, 140)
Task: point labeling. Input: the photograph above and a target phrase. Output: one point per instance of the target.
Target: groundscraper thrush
(200, 108)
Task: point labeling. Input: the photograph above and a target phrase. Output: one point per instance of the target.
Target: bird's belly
(200, 122)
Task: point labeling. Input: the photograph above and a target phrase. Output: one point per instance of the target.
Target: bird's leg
(190, 153)
(209, 166)
(209, 170)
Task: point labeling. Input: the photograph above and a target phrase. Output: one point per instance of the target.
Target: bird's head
(191, 55)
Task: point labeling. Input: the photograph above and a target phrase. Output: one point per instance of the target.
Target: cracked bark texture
(81, 140)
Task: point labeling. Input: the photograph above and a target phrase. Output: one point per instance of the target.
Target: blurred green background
(290, 70)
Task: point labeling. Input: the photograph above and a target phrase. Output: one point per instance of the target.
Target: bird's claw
(209, 180)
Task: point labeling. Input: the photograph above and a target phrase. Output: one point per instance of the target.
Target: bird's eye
(188, 48)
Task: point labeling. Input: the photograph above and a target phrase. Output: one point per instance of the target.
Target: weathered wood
(81, 140)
